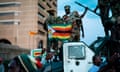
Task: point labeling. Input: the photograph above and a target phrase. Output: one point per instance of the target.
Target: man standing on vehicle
(66, 17)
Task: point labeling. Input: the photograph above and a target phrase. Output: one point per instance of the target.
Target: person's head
(96, 60)
(67, 9)
(75, 14)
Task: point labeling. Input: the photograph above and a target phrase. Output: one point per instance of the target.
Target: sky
(91, 22)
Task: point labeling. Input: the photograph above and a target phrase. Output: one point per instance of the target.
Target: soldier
(66, 17)
(50, 20)
(75, 19)
(77, 25)
(103, 5)
(51, 17)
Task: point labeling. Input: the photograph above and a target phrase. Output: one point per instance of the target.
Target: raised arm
(84, 12)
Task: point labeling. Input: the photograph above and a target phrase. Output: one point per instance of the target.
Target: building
(22, 22)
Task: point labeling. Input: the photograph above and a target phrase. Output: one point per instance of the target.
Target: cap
(67, 6)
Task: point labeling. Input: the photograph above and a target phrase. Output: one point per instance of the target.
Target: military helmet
(67, 6)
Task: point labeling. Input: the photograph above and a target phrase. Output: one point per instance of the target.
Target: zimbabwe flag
(62, 31)
(36, 52)
(63, 36)
(62, 27)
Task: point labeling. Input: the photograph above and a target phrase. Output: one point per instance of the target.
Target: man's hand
(83, 35)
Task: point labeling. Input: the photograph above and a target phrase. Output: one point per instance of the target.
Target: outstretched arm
(86, 8)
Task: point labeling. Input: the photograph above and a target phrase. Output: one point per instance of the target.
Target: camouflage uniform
(75, 17)
(77, 25)
(50, 20)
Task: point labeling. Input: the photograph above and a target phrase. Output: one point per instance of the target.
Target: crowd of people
(111, 64)
(26, 63)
